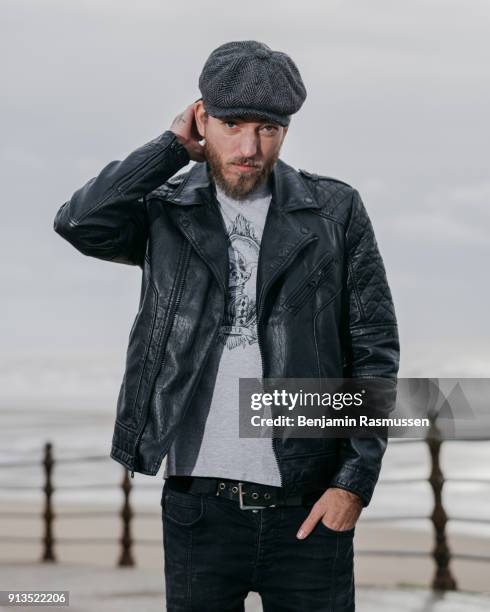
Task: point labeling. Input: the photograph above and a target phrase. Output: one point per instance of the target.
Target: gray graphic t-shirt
(207, 443)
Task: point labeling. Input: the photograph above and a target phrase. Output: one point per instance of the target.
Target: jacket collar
(284, 236)
(289, 191)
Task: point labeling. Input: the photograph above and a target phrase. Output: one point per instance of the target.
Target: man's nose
(248, 145)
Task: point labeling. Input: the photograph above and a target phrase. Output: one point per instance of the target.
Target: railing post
(443, 579)
(126, 558)
(48, 514)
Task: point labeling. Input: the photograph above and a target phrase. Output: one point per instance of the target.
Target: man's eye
(270, 129)
(230, 124)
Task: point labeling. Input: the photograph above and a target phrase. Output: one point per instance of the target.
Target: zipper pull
(132, 473)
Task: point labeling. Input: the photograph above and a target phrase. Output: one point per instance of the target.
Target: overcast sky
(397, 106)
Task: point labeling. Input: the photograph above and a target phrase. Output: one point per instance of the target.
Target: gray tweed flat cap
(247, 79)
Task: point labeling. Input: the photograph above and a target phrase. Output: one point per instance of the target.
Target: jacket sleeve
(371, 345)
(107, 217)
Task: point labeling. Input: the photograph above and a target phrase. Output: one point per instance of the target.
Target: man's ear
(200, 116)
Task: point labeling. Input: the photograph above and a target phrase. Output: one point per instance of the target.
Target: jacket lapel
(285, 234)
(200, 221)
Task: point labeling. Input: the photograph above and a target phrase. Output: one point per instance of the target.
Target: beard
(245, 183)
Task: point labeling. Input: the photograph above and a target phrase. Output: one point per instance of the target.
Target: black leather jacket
(324, 305)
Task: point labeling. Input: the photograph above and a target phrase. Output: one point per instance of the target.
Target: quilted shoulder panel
(334, 195)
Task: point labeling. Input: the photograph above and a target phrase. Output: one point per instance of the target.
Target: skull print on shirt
(240, 323)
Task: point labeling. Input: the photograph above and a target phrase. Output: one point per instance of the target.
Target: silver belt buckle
(243, 505)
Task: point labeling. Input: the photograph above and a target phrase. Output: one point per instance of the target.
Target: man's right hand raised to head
(185, 128)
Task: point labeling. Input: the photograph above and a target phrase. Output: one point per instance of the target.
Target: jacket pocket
(309, 285)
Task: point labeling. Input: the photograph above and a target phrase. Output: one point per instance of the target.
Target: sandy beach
(93, 540)
(96, 589)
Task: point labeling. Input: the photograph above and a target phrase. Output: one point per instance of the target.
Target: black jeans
(215, 553)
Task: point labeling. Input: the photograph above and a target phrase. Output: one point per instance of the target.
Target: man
(249, 269)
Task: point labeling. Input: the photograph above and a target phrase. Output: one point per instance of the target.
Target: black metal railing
(441, 554)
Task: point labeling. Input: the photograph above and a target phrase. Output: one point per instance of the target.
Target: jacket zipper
(259, 321)
(174, 307)
(308, 286)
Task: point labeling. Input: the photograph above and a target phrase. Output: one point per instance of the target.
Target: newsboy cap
(247, 79)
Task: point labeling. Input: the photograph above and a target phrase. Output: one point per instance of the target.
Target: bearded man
(250, 269)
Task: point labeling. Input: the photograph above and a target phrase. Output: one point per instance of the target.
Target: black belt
(249, 495)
